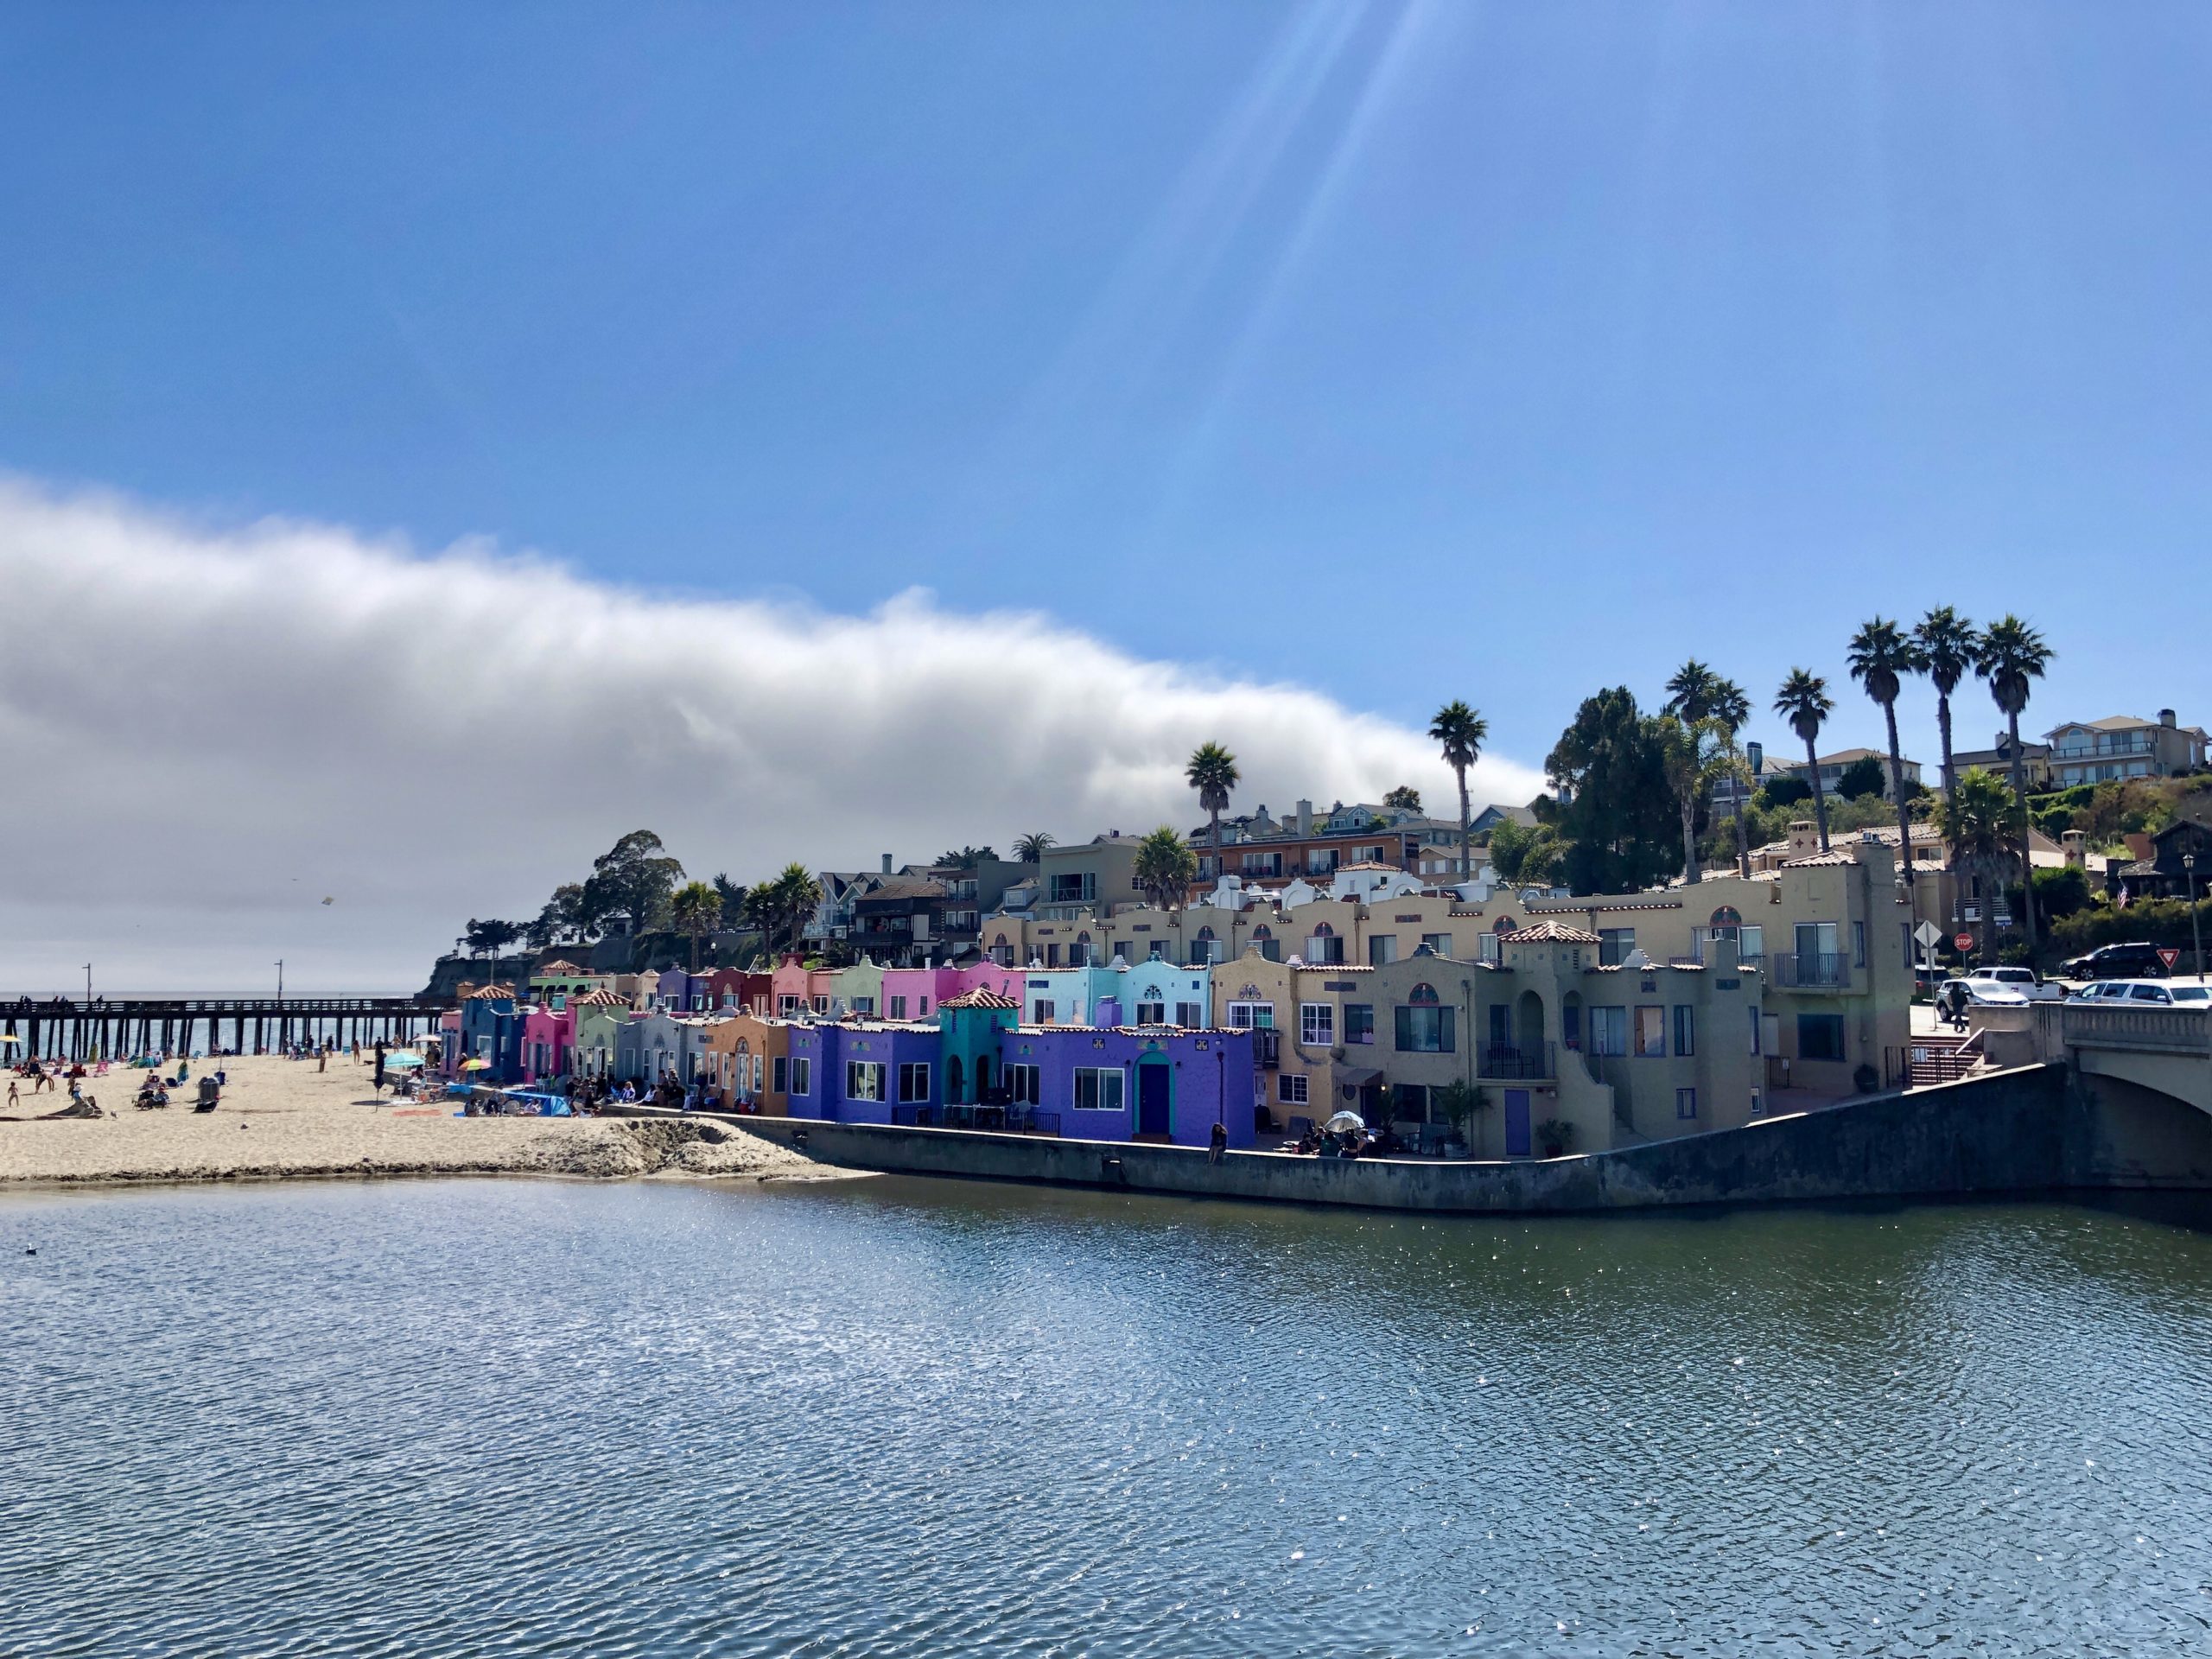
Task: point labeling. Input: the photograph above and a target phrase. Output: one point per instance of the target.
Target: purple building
(977, 1069)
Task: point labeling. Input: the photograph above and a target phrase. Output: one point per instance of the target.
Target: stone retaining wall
(2012, 1131)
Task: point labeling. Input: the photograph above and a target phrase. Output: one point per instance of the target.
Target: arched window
(952, 1080)
(1202, 949)
(1505, 925)
(1323, 931)
(1422, 994)
(1263, 932)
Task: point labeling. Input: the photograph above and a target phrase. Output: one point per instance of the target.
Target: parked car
(2137, 961)
(2146, 993)
(2022, 980)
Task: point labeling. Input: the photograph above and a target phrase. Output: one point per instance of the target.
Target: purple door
(1516, 1122)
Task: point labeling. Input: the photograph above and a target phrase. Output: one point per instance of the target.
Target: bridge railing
(2061, 1025)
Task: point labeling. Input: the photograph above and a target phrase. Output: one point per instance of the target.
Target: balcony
(1518, 1064)
(1267, 1045)
(1808, 971)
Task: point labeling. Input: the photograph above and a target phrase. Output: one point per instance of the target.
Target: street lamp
(280, 979)
(2195, 927)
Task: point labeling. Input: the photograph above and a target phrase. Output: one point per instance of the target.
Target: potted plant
(1459, 1103)
(1556, 1138)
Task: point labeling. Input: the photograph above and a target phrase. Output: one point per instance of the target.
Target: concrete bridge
(2167, 1051)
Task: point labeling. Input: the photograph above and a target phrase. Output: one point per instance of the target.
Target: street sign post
(1926, 935)
(2169, 955)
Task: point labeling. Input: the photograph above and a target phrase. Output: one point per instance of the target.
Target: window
(1022, 1083)
(1051, 955)
(1317, 1024)
(1074, 889)
(1754, 1013)
(1758, 1103)
(780, 1070)
(864, 1080)
(1751, 944)
(1381, 950)
(1685, 1029)
(898, 1008)
(1191, 1014)
(1079, 952)
(1359, 1022)
(1570, 1026)
(1152, 1013)
(1410, 1103)
(1156, 951)
(1615, 945)
(1725, 922)
(822, 1005)
(1609, 1031)
(863, 1005)
(786, 1005)
(1859, 944)
(759, 1066)
(1043, 1011)
(1817, 954)
(1686, 1102)
(915, 1081)
(1202, 947)
(1439, 944)
(1820, 1036)
(1099, 1088)
(1251, 1016)
(1423, 1027)
(926, 1007)
(802, 1074)
(1325, 946)
(1290, 1088)
(1487, 948)
(1650, 1033)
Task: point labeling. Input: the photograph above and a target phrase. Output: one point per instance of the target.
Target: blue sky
(1502, 352)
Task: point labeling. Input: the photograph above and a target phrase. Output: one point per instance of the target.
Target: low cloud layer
(204, 732)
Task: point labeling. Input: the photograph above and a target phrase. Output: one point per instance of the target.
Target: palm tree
(1164, 868)
(2011, 655)
(1690, 752)
(1880, 655)
(1213, 772)
(967, 858)
(1947, 645)
(1697, 693)
(1803, 701)
(1030, 848)
(1461, 731)
(1976, 820)
(695, 911)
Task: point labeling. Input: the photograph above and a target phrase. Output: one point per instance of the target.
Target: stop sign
(1963, 941)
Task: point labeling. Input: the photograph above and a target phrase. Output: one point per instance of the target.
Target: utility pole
(2195, 927)
(280, 979)
(88, 982)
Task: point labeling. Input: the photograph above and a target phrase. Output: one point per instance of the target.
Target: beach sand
(283, 1118)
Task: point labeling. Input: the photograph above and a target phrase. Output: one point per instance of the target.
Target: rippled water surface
(884, 1417)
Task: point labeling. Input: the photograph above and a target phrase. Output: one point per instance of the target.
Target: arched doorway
(952, 1080)
(1570, 1021)
(982, 1077)
(1529, 1028)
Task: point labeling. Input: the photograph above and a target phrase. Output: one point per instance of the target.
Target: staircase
(1944, 1057)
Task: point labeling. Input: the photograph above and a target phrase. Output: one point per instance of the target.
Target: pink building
(547, 1039)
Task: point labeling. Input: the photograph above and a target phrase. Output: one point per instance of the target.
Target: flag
(2122, 905)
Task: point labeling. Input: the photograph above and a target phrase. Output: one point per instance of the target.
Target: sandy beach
(282, 1118)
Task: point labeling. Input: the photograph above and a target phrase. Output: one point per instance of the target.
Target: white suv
(2001, 985)
(2147, 993)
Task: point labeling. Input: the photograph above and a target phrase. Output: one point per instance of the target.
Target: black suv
(2116, 961)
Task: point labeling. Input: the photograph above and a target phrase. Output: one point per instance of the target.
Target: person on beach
(15, 1091)
(1218, 1143)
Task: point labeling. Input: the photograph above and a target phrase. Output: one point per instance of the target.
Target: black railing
(1016, 1120)
(1806, 970)
(1533, 1061)
(1267, 1045)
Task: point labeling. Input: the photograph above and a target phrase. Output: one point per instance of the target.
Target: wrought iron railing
(1807, 971)
(1512, 1063)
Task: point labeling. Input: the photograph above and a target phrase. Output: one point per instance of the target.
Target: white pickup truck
(1995, 986)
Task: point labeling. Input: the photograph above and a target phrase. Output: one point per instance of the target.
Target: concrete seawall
(2022, 1130)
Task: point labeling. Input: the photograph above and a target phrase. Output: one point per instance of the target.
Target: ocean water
(894, 1417)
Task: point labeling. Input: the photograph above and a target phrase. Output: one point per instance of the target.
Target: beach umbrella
(402, 1061)
(10, 1037)
(1344, 1124)
(472, 1066)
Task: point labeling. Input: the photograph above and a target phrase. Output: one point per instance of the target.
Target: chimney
(1305, 817)
(2077, 846)
(886, 863)
(2166, 719)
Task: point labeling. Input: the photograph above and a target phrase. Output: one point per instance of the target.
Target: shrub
(1862, 778)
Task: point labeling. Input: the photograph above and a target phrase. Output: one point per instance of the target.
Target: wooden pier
(61, 1029)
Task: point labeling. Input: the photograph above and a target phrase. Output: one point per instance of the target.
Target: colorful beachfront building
(548, 1038)
(596, 1039)
(746, 1064)
(1082, 1082)
(490, 1032)
(554, 984)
